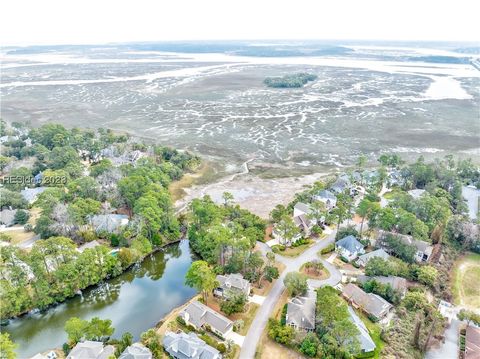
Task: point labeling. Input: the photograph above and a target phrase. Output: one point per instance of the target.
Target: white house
(349, 247)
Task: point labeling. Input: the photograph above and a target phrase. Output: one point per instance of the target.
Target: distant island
(290, 81)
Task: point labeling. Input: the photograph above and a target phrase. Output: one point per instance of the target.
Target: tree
(415, 301)
(270, 273)
(278, 212)
(75, 329)
(287, 229)
(227, 198)
(427, 275)
(99, 330)
(125, 341)
(309, 345)
(363, 210)
(7, 347)
(201, 277)
(378, 267)
(151, 340)
(296, 283)
(469, 316)
(283, 334)
(342, 210)
(21, 216)
(234, 303)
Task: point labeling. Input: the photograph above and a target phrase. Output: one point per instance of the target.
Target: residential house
(50, 355)
(110, 223)
(301, 311)
(370, 303)
(30, 194)
(349, 247)
(398, 284)
(88, 245)
(232, 283)
(326, 197)
(379, 253)
(341, 185)
(472, 343)
(91, 350)
(200, 316)
(367, 345)
(301, 217)
(423, 249)
(136, 351)
(188, 346)
(7, 217)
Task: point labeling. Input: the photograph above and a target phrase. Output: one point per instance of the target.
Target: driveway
(449, 349)
(292, 264)
(236, 338)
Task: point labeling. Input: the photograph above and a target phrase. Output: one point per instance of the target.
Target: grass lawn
(465, 283)
(296, 251)
(19, 235)
(392, 193)
(374, 331)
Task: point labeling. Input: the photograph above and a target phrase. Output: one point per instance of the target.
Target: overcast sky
(99, 21)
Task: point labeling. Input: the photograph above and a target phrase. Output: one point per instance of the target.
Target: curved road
(292, 264)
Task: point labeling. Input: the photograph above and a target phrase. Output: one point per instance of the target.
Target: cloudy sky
(25, 22)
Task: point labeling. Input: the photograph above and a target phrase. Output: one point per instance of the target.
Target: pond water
(134, 301)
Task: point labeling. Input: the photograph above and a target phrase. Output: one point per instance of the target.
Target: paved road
(448, 349)
(292, 264)
(29, 242)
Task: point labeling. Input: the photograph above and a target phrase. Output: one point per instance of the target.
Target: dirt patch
(466, 285)
(258, 195)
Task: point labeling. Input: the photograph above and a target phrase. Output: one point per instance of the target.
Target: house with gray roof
(88, 245)
(398, 284)
(423, 249)
(416, 193)
(326, 197)
(232, 283)
(301, 217)
(91, 350)
(30, 194)
(110, 223)
(471, 194)
(301, 311)
(7, 217)
(200, 316)
(349, 247)
(188, 346)
(367, 345)
(341, 185)
(379, 253)
(136, 351)
(370, 303)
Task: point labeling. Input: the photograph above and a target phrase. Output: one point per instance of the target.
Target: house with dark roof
(326, 197)
(423, 249)
(188, 346)
(200, 316)
(91, 350)
(349, 247)
(370, 303)
(231, 283)
(472, 342)
(136, 351)
(88, 245)
(367, 345)
(301, 311)
(398, 284)
(379, 253)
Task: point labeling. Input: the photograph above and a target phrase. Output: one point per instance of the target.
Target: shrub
(180, 320)
(28, 227)
(21, 216)
(372, 318)
(283, 320)
(221, 348)
(328, 249)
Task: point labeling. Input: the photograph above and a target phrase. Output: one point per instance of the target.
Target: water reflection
(134, 301)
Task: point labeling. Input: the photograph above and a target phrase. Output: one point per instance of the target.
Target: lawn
(392, 193)
(374, 331)
(296, 251)
(465, 283)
